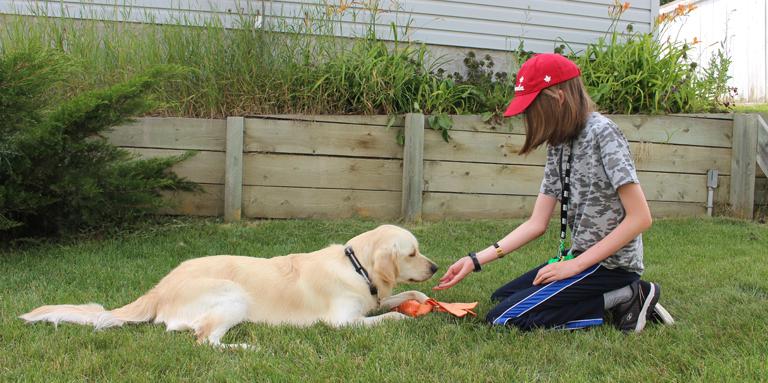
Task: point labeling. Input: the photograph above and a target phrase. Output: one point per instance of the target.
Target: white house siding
(738, 27)
(480, 24)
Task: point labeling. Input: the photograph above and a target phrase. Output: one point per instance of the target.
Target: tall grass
(298, 65)
(287, 66)
(630, 72)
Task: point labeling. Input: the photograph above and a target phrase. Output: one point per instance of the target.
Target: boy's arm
(637, 220)
(531, 229)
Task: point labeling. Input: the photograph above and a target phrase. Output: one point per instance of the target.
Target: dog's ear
(385, 266)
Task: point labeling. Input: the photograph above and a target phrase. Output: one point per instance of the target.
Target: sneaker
(632, 315)
(660, 315)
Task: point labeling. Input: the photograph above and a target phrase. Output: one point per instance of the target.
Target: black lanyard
(564, 202)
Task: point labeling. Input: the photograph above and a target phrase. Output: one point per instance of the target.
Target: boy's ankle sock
(616, 297)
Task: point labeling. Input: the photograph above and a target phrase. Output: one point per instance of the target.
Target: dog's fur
(211, 294)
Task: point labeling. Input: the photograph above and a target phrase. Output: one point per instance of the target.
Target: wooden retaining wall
(352, 166)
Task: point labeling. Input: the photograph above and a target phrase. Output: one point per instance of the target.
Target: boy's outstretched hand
(455, 273)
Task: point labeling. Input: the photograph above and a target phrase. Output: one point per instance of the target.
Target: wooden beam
(483, 147)
(762, 144)
(743, 165)
(639, 128)
(321, 172)
(209, 203)
(413, 167)
(170, 133)
(438, 206)
(324, 138)
(380, 120)
(466, 177)
(233, 170)
(291, 203)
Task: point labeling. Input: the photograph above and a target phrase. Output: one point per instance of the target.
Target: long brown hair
(547, 120)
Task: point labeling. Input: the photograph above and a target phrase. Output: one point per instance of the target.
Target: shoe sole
(651, 298)
(663, 315)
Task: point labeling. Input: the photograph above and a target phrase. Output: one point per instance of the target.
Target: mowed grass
(713, 274)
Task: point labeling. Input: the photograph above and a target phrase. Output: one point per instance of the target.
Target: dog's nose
(433, 268)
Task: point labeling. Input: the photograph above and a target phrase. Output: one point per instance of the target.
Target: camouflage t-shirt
(601, 164)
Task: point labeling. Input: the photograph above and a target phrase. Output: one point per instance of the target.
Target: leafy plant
(442, 123)
(297, 65)
(56, 174)
(630, 72)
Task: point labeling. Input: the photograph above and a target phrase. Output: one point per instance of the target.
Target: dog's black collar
(360, 269)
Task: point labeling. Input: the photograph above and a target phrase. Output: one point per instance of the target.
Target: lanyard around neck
(565, 181)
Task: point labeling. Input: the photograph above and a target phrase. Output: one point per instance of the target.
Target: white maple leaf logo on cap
(519, 87)
(547, 78)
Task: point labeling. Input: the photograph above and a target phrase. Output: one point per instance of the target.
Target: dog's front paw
(418, 296)
(398, 316)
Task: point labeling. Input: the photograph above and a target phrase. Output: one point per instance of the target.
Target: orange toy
(415, 309)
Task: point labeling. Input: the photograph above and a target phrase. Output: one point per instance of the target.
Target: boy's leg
(520, 283)
(578, 299)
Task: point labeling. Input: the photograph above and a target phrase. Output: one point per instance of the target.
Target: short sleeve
(550, 185)
(616, 157)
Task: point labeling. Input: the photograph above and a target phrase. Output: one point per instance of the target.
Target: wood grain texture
(287, 202)
(743, 164)
(468, 146)
(322, 172)
(329, 138)
(233, 170)
(208, 203)
(439, 206)
(171, 133)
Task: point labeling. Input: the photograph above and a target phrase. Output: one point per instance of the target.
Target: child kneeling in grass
(590, 170)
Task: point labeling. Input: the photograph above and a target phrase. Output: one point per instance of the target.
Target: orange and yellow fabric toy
(415, 309)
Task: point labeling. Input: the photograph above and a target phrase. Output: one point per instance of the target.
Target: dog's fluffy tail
(140, 310)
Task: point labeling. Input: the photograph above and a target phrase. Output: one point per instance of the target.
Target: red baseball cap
(539, 72)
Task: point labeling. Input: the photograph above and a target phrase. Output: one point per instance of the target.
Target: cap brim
(520, 103)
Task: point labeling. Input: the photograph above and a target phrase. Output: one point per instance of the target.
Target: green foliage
(297, 65)
(284, 67)
(636, 73)
(56, 174)
(493, 89)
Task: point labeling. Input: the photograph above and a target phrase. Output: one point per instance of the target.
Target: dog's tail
(140, 310)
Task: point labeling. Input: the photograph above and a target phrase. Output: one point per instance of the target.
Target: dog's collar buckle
(360, 270)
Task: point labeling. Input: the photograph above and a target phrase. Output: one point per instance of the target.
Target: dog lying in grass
(210, 295)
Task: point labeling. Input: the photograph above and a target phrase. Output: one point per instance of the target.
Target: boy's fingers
(448, 274)
(446, 285)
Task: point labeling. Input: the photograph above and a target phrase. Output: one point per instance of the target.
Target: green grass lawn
(752, 108)
(713, 273)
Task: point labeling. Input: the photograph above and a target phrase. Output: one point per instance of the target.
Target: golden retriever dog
(212, 294)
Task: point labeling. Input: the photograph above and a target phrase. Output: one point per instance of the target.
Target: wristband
(499, 252)
(473, 257)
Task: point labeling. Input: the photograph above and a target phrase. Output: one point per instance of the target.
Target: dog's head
(394, 255)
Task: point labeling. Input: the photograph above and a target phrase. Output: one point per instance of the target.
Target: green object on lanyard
(562, 255)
